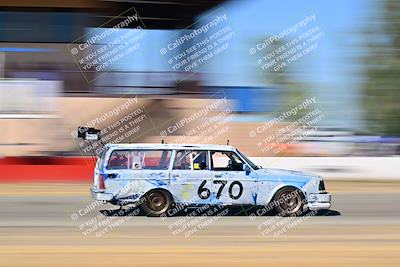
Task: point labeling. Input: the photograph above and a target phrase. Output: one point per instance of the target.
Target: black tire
(156, 203)
(289, 201)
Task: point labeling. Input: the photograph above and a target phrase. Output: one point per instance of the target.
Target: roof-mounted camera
(88, 133)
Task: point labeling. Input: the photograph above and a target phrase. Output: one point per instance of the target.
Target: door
(189, 177)
(232, 185)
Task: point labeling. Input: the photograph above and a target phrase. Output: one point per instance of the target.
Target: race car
(159, 176)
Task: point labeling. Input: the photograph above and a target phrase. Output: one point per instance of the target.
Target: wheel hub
(291, 201)
(157, 201)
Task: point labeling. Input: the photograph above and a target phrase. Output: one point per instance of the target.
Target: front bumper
(319, 201)
(101, 196)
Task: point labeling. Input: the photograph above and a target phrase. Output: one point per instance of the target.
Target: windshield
(252, 165)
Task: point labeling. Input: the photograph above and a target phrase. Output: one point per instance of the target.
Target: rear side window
(101, 158)
(139, 160)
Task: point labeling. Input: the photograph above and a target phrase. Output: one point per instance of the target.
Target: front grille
(321, 186)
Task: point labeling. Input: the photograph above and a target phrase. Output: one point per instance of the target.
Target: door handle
(218, 175)
(112, 175)
(176, 175)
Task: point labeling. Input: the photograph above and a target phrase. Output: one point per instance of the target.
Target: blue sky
(331, 72)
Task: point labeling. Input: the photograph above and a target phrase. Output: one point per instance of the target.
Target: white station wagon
(159, 176)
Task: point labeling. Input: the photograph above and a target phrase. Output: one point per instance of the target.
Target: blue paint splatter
(155, 179)
(254, 195)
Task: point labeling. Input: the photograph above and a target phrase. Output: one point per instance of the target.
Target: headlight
(312, 198)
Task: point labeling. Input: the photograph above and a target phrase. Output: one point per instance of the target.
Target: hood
(284, 175)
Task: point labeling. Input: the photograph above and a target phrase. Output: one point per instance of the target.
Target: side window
(118, 160)
(139, 159)
(191, 160)
(200, 161)
(226, 161)
(101, 158)
(151, 159)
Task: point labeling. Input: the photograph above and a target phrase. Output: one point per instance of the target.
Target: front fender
(267, 190)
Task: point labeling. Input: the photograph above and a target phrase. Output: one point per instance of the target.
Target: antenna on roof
(227, 142)
(162, 141)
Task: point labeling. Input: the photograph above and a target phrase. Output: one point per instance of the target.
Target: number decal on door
(222, 185)
(205, 193)
(240, 190)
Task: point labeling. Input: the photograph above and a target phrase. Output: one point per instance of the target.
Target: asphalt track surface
(50, 225)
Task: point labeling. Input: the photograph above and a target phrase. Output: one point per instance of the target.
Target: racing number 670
(205, 193)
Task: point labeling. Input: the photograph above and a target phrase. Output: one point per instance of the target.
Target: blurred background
(46, 92)
(304, 85)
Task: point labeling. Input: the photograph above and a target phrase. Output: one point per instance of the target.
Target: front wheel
(156, 203)
(289, 201)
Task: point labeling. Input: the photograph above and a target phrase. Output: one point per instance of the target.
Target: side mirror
(246, 168)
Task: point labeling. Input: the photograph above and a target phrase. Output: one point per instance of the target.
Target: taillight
(101, 182)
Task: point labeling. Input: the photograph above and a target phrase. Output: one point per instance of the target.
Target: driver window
(226, 161)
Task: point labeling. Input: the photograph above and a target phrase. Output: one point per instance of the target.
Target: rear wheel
(289, 201)
(156, 203)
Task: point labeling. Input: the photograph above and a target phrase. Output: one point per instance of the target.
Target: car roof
(172, 146)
